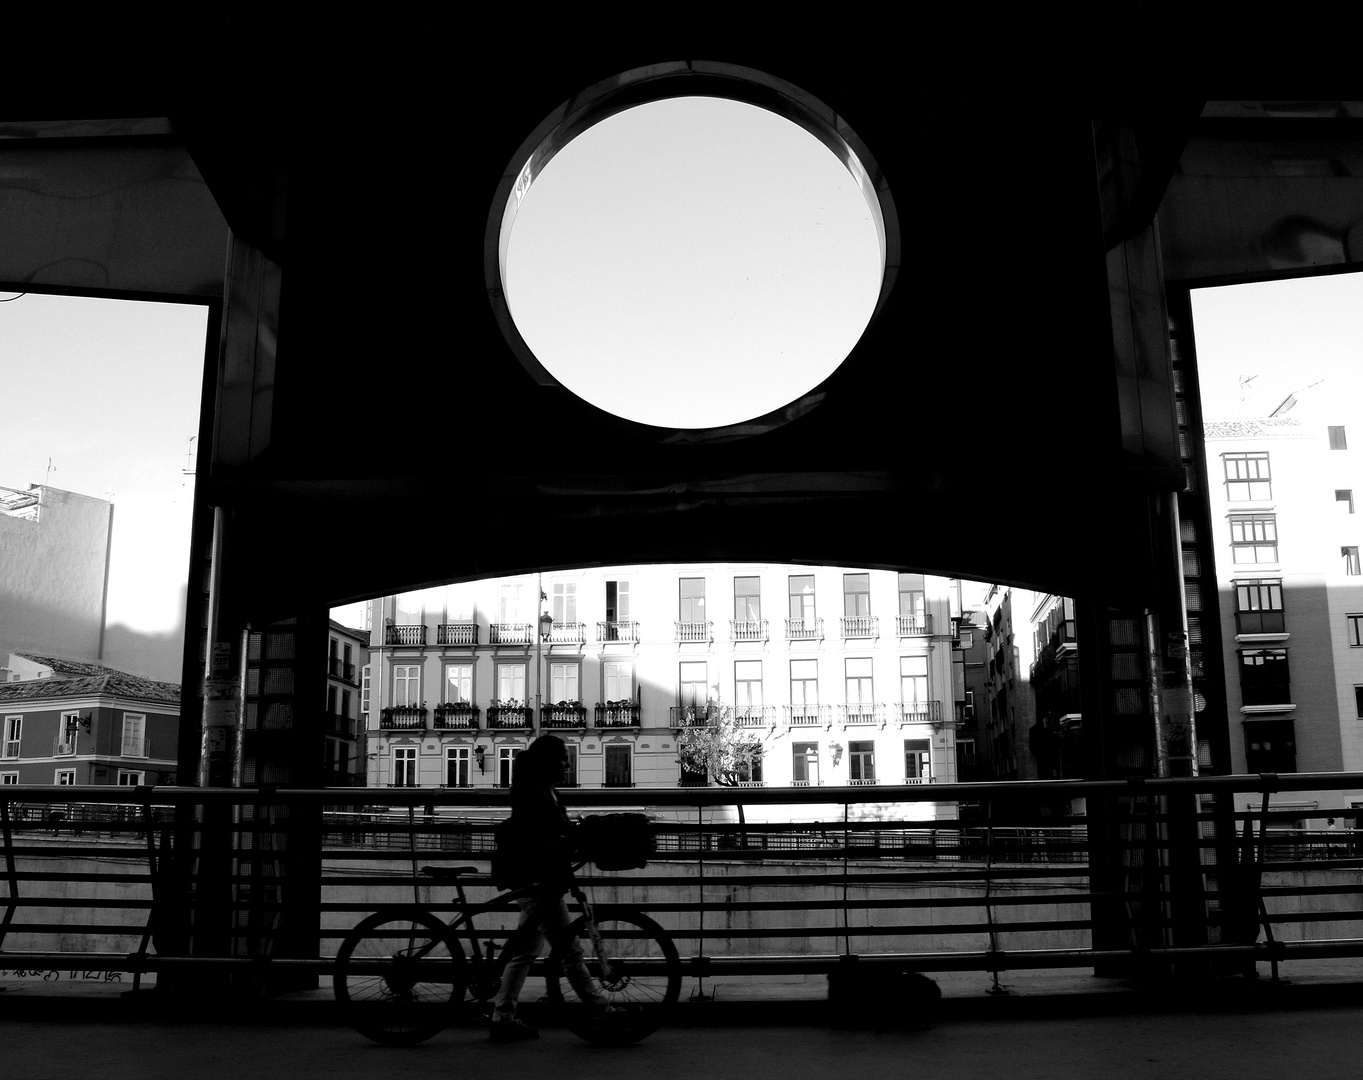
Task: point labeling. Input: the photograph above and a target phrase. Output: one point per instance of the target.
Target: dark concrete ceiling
(975, 430)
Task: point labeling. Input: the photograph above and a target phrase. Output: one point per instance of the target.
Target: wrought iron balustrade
(615, 630)
(456, 716)
(748, 630)
(457, 633)
(694, 631)
(862, 713)
(804, 629)
(808, 715)
(402, 718)
(755, 716)
(510, 717)
(404, 635)
(567, 633)
(918, 712)
(616, 715)
(859, 626)
(563, 716)
(915, 625)
(510, 634)
(681, 716)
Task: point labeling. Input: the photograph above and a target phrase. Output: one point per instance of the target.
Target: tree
(715, 744)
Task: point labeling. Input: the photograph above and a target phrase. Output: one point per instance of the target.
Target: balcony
(871, 782)
(862, 714)
(457, 633)
(510, 718)
(918, 712)
(859, 626)
(613, 630)
(701, 632)
(136, 746)
(808, 716)
(804, 629)
(567, 633)
(336, 724)
(404, 635)
(919, 625)
(565, 714)
(341, 669)
(755, 716)
(618, 714)
(403, 718)
(748, 630)
(456, 716)
(503, 633)
(681, 716)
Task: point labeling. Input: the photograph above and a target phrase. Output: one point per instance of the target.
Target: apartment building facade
(347, 657)
(837, 675)
(1283, 491)
(68, 723)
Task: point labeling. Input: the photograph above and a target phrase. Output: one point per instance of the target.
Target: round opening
(691, 262)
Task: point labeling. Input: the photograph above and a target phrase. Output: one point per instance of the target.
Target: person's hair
(535, 765)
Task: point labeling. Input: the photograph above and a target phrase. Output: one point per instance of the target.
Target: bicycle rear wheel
(397, 976)
(638, 971)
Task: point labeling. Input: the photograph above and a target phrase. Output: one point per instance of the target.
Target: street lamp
(543, 631)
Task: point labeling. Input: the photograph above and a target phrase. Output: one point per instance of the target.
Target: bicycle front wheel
(634, 965)
(397, 976)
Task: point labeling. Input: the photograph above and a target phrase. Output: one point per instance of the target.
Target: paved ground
(1058, 1026)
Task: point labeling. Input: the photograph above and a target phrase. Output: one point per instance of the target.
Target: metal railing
(1158, 872)
(409, 634)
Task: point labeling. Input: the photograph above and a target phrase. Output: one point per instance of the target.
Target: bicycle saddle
(448, 873)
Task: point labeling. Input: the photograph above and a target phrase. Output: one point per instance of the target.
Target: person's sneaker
(508, 1031)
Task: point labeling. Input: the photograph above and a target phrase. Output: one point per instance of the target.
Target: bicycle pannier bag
(513, 863)
(616, 841)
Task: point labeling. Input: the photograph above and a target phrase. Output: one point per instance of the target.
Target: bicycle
(401, 973)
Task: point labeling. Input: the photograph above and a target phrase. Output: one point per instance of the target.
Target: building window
(64, 778)
(913, 680)
(748, 768)
(856, 595)
(804, 689)
(1350, 557)
(802, 603)
(1259, 607)
(570, 775)
(1355, 625)
(748, 684)
(563, 682)
(617, 608)
(1254, 538)
(1344, 500)
(913, 597)
(458, 684)
(1247, 477)
(366, 674)
(861, 761)
(1358, 702)
(1270, 746)
(510, 682)
(804, 764)
(563, 607)
(129, 778)
(860, 690)
(693, 684)
(7, 778)
(457, 766)
(617, 680)
(618, 766)
(506, 764)
(511, 602)
(691, 608)
(747, 599)
(917, 760)
(1263, 677)
(404, 766)
(14, 730)
(406, 684)
(134, 735)
(1337, 440)
(68, 733)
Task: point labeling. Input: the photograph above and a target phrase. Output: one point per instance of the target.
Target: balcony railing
(136, 746)
(402, 718)
(808, 715)
(456, 716)
(804, 629)
(862, 713)
(919, 625)
(614, 630)
(404, 635)
(563, 716)
(337, 724)
(918, 712)
(859, 626)
(755, 716)
(567, 633)
(864, 782)
(510, 718)
(615, 715)
(748, 630)
(457, 633)
(692, 715)
(340, 668)
(695, 631)
(503, 633)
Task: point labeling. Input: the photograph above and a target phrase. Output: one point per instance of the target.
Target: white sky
(693, 262)
(109, 391)
(1257, 343)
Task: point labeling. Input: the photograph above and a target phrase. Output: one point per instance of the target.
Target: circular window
(690, 262)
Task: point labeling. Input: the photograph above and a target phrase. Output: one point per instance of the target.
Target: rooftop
(76, 678)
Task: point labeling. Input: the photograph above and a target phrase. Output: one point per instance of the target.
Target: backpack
(616, 841)
(514, 865)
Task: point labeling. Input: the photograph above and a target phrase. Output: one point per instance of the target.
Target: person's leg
(556, 925)
(523, 948)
